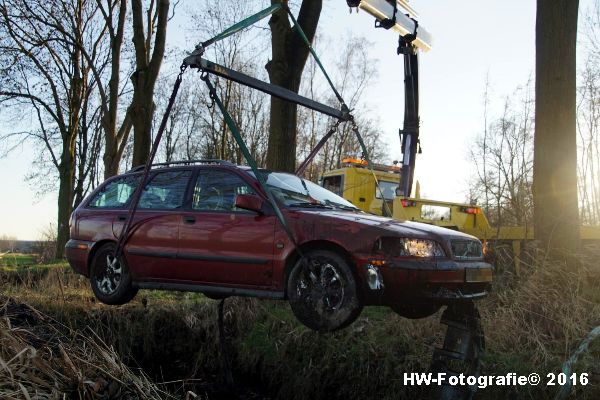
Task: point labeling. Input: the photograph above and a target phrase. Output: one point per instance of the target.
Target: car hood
(388, 225)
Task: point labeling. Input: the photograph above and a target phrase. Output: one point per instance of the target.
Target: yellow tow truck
(356, 183)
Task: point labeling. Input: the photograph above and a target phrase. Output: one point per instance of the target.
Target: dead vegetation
(40, 359)
(533, 322)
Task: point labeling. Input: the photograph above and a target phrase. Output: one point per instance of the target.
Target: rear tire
(110, 280)
(323, 292)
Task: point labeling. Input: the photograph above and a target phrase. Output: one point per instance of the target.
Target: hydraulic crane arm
(412, 39)
(409, 135)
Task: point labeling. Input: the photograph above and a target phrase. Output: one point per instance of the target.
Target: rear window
(116, 193)
(166, 190)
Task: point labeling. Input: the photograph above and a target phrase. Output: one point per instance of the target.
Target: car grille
(466, 249)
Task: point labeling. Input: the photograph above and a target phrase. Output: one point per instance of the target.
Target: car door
(221, 244)
(152, 247)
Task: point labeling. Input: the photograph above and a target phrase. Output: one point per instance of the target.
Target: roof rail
(186, 162)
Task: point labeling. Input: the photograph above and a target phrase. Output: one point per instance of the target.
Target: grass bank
(532, 324)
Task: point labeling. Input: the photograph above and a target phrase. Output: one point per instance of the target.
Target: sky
(472, 39)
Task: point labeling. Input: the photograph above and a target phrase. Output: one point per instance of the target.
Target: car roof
(194, 164)
(184, 163)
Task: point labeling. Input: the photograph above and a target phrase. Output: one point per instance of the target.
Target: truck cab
(355, 182)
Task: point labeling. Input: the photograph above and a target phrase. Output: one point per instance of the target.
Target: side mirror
(249, 202)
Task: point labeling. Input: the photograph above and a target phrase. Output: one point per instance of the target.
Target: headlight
(390, 246)
(420, 248)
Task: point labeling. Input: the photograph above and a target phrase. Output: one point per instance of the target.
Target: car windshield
(293, 191)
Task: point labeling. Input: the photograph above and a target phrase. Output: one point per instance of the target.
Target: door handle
(188, 219)
(122, 217)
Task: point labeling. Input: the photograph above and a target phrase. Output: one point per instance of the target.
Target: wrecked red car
(208, 227)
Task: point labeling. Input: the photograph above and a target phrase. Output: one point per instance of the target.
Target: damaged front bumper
(442, 281)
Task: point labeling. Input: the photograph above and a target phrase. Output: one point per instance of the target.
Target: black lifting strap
(388, 23)
(127, 227)
(405, 42)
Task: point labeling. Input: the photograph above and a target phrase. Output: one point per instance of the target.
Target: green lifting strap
(242, 25)
(249, 159)
(312, 51)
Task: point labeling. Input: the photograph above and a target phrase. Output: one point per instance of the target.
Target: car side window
(166, 190)
(116, 193)
(217, 190)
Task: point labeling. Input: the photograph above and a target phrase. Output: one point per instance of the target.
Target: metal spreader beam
(195, 61)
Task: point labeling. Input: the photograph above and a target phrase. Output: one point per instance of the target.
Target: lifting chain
(334, 127)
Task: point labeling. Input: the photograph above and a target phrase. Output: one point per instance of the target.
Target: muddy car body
(208, 227)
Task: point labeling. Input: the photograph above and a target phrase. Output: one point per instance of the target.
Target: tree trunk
(147, 68)
(555, 155)
(285, 69)
(66, 169)
(142, 112)
(65, 200)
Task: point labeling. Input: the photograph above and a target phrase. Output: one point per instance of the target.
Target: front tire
(110, 279)
(323, 292)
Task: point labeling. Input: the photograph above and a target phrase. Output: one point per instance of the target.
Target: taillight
(408, 203)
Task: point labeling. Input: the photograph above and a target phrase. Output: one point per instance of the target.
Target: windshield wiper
(341, 206)
(346, 208)
(309, 204)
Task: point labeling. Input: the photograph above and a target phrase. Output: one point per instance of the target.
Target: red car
(207, 226)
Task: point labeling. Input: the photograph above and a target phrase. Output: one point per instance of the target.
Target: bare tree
(352, 74)
(588, 120)
(503, 157)
(484, 143)
(46, 72)
(555, 158)
(588, 127)
(196, 129)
